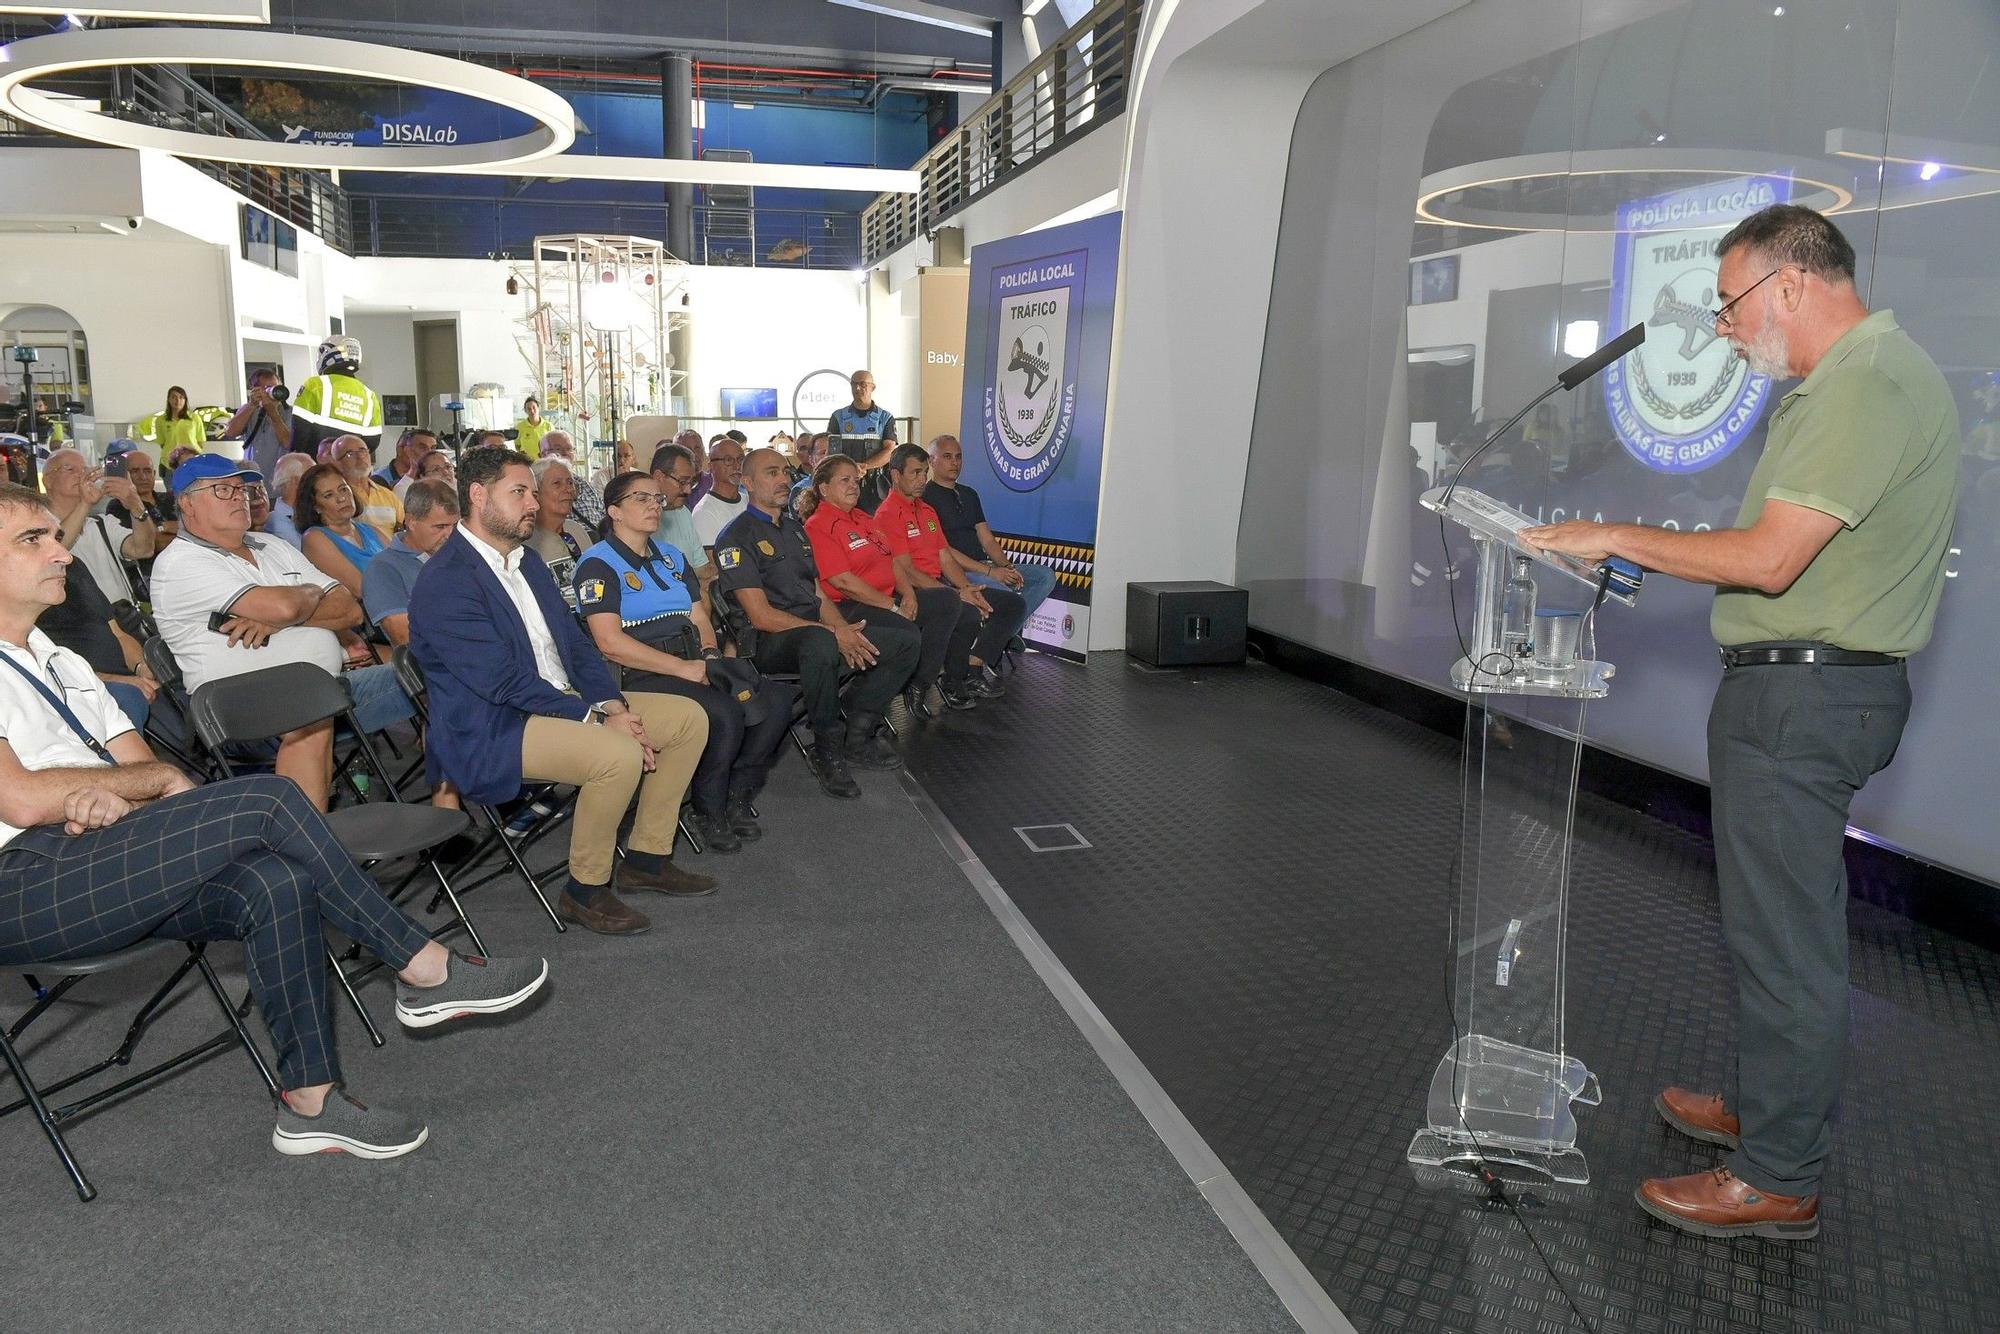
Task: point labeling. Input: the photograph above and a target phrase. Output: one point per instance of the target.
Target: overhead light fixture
(180, 11)
(693, 171)
(1929, 171)
(1580, 338)
(919, 11)
(113, 48)
(1030, 8)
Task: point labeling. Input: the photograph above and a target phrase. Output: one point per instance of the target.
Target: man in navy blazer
(518, 691)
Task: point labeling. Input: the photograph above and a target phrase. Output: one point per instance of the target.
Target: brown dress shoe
(1700, 1116)
(669, 879)
(605, 913)
(1716, 1204)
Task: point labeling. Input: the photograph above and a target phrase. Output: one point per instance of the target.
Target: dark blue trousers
(248, 859)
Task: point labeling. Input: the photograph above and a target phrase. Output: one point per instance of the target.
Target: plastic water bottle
(1517, 616)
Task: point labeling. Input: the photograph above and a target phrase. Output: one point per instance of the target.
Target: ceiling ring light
(1444, 194)
(105, 48)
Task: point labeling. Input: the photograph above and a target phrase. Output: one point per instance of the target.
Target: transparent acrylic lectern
(1504, 1090)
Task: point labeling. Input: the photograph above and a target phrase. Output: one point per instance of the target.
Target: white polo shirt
(713, 514)
(193, 579)
(101, 548)
(36, 733)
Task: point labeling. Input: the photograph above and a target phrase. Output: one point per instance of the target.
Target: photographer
(264, 423)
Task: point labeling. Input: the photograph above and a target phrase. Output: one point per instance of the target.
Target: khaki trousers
(606, 768)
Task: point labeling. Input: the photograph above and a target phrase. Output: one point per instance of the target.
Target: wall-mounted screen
(746, 403)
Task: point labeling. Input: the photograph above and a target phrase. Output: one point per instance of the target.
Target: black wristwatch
(710, 654)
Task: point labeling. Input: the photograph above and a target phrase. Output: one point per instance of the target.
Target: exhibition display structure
(1504, 1090)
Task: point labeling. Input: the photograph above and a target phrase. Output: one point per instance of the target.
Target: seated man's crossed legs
(249, 859)
(608, 767)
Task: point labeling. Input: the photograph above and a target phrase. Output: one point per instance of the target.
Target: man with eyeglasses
(1828, 582)
(675, 469)
(724, 501)
(274, 607)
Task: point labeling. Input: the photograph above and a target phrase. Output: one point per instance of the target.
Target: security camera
(132, 224)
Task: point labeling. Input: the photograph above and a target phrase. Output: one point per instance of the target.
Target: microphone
(1569, 379)
(1604, 356)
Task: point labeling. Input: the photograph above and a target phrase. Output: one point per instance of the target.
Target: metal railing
(1076, 85)
(164, 96)
(447, 226)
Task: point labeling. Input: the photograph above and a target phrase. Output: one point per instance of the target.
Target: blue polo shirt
(876, 423)
(386, 583)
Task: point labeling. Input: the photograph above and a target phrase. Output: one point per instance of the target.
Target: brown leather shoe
(605, 913)
(1700, 1116)
(1716, 1204)
(669, 879)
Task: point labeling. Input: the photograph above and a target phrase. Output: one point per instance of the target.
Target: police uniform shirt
(658, 589)
(912, 528)
(876, 423)
(960, 511)
(774, 555)
(849, 542)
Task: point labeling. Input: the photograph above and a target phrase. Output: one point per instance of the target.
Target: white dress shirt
(507, 569)
(38, 735)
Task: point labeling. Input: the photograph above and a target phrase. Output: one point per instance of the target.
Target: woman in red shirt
(858, 571)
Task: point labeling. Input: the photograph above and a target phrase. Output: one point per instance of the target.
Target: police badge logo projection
(1029, 412)
(1684, 400)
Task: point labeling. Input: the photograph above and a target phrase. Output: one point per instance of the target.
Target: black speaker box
(1186, 623)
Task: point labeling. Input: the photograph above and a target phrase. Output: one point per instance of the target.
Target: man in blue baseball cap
(275, 606)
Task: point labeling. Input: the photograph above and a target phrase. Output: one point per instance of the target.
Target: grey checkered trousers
(248, 859)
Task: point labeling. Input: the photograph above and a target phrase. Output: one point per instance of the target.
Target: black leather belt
(1821, 654)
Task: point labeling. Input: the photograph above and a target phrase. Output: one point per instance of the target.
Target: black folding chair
(258, 706)
(72, 971)
(411, 676)
(720, 612)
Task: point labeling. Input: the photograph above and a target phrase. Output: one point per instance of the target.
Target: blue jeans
(378, 699)
(131, 700)
(1040, 582)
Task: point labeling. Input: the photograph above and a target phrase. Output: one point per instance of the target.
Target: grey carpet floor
(831, 1097)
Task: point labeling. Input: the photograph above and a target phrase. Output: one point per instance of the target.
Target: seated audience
(558, 538)
(430, 513)
(102, 847)
(411, 446)
(811, 451)
(519, 694)
(724, 501)
(154, 504)
(643, 606)
(587, 507)
(86, 625)
(103, 544)
(282, 491)
(624, 459)
(375, 504)
(335, 539)
(674, 472)
(275, 606)
(914, 532)
(859, 570)
(785, 622)
(692, 440)
(980, 554)
(433, 465)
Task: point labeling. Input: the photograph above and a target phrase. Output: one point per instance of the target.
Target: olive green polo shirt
(1871, 438)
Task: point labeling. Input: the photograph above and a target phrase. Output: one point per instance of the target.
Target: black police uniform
(756, 551)
(651, 594)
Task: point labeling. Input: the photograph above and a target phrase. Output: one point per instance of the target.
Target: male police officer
(785, 622)
(1828, 582)
(335, 402)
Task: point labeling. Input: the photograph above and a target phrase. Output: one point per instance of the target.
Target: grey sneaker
(472, 985)
(347, 1126)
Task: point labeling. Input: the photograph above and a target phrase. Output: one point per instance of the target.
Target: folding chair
(719, 612)
(72, 971)
(411, 676)
(261, 705)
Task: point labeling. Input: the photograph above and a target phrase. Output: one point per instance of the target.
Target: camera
(26, 354)
(280, 394)
(114, 466)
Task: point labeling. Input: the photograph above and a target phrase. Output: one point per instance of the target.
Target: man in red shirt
(987, 618)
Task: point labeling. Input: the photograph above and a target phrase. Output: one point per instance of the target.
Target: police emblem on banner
(1030, 402)
(1683, 400)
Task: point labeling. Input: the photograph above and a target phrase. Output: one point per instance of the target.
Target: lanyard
(55, 701)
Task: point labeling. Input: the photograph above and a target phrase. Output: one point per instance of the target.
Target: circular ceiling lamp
(107, 48)
(1582, 192)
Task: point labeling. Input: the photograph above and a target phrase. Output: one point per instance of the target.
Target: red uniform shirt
(849, 542)
(913, 529)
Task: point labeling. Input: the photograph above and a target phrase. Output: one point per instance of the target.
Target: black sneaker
(718, 834)
(986, 684)
(960, 695)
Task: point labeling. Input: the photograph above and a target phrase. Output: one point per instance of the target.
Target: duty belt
(1821, 654)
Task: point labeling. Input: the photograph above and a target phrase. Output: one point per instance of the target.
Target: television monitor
(746, 403)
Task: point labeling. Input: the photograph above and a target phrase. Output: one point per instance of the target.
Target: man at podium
(1828, 582)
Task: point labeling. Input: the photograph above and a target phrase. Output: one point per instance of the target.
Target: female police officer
(644, 611)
